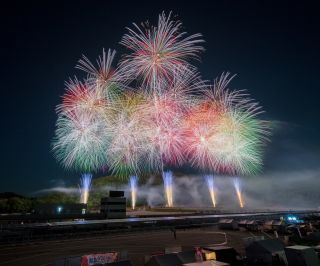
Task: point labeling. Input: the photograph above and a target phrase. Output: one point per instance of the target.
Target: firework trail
(85, 186)
(237, 186)
(210, 183)
(168, 187)
(158, 51)
(133, 187)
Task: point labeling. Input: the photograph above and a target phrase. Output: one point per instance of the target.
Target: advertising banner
(99, 259)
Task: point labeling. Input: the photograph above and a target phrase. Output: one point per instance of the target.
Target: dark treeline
(14, 203)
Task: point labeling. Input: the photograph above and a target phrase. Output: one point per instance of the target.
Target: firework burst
(224, 134)
(158, 51)
(106, 81)
(81, 140)
(162, 118)
(129, 138)
(81, 96)
(163, 114)
(170, 118)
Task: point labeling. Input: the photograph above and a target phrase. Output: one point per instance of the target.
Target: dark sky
(274, 48)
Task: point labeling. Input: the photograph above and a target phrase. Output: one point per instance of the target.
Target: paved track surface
(155, 219)
(137, 245)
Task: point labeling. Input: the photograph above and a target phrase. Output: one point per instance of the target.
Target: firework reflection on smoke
(210, 183)
(237, 186)
(85, 186)
(133, 186)
(168, 187)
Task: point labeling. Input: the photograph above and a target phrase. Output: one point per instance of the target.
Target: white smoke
(67, 190)
(274, 190)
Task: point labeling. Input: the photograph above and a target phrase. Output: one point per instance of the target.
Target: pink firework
(199, 128)
(201, 123)
(108, 82)
(163, 114)
(162, 118)
(157, 52)
(224, 134)
(103, 72)
(81, 96)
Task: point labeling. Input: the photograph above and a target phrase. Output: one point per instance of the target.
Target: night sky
(273, 48)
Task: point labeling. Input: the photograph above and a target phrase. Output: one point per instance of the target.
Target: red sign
(99, 258)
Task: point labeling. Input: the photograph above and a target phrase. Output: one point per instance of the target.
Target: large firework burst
(157, 52)
(81, 140)
(224, 134)
(170, 118)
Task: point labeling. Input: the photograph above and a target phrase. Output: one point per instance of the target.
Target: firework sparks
(170, 118)
(224, 134)
(168, 187)
(210, 183)
(128, 146)
(237, 186)
(85, 186)
(81, 141)
(164, 135)
(159, 51)
(133, 187)
(105, 80)
(163, 115)
(81, 96)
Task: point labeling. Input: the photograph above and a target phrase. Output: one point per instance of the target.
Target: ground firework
(210, 183)
(85, 186)
(133, 187)
(168, 187)
(237, 187)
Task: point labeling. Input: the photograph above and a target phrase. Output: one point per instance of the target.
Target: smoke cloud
(274, 190)
(61, 189)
